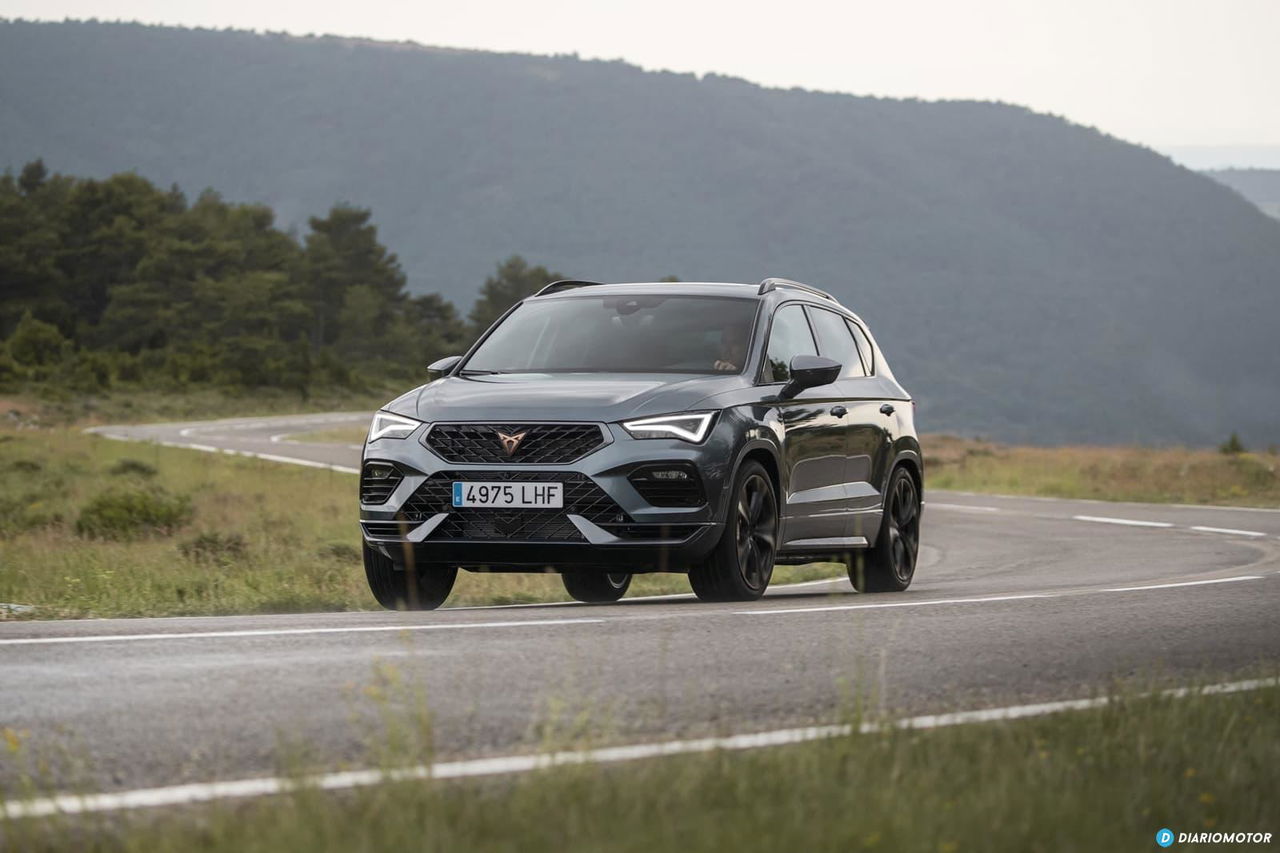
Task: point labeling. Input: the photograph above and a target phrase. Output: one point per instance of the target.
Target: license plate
(527, 495)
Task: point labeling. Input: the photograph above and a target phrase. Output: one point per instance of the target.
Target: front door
(814, 442)
(865, 436)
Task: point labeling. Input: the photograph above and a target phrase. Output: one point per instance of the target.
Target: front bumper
(606, 521)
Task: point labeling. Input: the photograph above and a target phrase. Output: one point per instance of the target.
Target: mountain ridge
(1030, 279)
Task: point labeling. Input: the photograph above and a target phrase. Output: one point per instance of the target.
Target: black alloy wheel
(741, 565)
(890, 565)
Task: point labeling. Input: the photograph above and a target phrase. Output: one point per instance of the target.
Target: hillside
(1260, 186)
(1029, 279)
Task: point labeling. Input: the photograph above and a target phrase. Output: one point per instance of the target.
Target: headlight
(387, 425)
(692, 426)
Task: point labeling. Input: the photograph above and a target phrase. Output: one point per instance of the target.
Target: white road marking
(933, 601)
(1102, 519)
(670, 596)
(279, 632)
(963, 507)
(1184, 583)
(204, 792)
(1228, 530)
(205, 448)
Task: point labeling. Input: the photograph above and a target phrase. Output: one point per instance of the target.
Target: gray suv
(603, 430)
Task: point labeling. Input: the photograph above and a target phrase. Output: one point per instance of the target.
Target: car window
(835, 341)
(789, 337)
(864, 346)
(649, 333)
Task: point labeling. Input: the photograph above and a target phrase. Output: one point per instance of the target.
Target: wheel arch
(767, 455)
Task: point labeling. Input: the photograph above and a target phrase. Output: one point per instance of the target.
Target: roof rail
(771, 284)
(565, 284)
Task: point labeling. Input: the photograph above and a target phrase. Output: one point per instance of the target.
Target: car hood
(559, 397)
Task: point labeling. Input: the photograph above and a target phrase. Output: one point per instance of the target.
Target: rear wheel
(424, 586)
(741, 565)
(595, 586)
(891, 564)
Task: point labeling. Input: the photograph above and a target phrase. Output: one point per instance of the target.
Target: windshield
(620, 334)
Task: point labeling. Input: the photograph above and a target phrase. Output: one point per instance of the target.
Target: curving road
(1016, 600)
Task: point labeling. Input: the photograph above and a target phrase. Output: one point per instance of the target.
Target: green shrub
(20, 514)
(215, 549)
(132, 468)
(1232, 445)
(10, 371)
(134, 513)
(37, 343)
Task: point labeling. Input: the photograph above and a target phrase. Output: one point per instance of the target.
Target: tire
(741, 565)
(890, 564)
(424, 586)
(595, 586)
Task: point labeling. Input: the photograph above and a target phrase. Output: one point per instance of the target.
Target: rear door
(814, 451)
(866, 436)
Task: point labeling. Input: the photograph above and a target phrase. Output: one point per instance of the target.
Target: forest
(115, 281)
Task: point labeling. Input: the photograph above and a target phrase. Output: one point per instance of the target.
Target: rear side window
(868, 354)
(789, 337)
(835, 341)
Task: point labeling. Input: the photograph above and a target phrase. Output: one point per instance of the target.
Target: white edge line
(203, 792)
(1228, 530)
(934, 601)
(1102, 519)
(279, 632)
(1003, 496)
(1184, 583)
(963, 507)
(634, 598)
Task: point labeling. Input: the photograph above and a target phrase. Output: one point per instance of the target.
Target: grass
(1148, 475)
(128, 404)
(98, 528)
(1104, 779)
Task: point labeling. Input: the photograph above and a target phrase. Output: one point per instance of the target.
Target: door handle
(886, 409)
(839, 411)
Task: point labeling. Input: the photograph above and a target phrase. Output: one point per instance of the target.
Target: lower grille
(670, 484)
(581, 497)
(386, 529)
(651, 531)
(377, 481)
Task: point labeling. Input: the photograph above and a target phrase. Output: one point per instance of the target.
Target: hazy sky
(1172, 74)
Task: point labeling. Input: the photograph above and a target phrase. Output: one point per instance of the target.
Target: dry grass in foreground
(1174, 475)
(1103, 779)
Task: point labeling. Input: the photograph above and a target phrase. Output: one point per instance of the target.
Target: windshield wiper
(478, 372)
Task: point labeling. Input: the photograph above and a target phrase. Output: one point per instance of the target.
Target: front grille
(581, 497)
(377, 481)
(538, 444)
(673, 484)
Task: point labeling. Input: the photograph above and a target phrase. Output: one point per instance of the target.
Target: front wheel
(424, 586)
(741, 565)
(890, 565)
(593, 586)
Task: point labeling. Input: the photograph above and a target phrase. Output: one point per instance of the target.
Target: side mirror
(441, 366)
(809, 371)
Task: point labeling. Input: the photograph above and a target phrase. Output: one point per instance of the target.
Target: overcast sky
(1184, 76)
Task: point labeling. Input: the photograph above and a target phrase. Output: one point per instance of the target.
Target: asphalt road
(1015, 600)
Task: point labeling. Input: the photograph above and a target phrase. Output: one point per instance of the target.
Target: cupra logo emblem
(511, 442)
